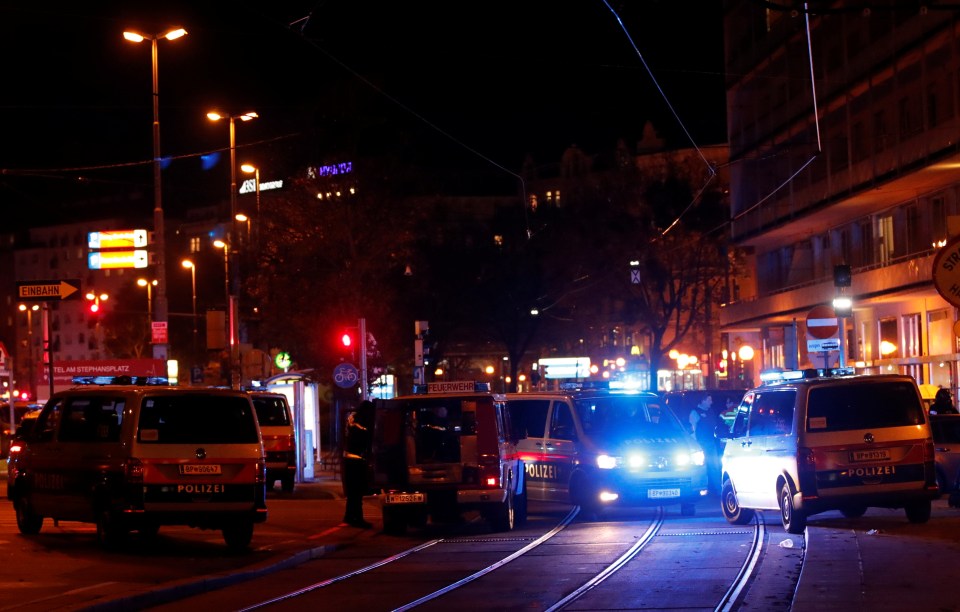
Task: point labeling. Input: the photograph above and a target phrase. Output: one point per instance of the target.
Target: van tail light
(807, 472)
(133, 471)
(261, 468)
(15, 449)
(490, 475)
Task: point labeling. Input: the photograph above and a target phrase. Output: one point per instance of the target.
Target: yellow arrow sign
(48, 290)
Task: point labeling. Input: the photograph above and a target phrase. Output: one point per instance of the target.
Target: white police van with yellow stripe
(807, 441)
(598, 447)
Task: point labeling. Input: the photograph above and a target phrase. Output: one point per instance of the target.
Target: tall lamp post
(233, 306)
(142, 282)
(186, 263)
(231, 337)
(30, 310)
(159, 350)
(250, 168)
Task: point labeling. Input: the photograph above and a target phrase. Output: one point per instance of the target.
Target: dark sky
(474, 84)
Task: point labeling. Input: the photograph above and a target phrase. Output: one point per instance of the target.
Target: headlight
(606, 462)
(696, 458)
(636, 461)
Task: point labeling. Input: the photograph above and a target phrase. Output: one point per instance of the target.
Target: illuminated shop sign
(565, 367)
(118, 239)
(329, 170)
(106, 260)
(250, 185)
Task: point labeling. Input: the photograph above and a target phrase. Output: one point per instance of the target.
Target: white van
(815, 440)
(279, 438)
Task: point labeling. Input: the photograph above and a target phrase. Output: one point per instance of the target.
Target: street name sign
(946, 271)
(822, 322)
(48, 290)
(815, 345)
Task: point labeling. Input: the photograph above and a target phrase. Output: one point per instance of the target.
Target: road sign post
(822, 326)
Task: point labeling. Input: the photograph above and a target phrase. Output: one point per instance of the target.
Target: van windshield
(197, 419)
(866, 405)
(626, 418)
(271, 411)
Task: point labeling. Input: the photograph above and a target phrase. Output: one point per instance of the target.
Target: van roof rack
(771, 377)
(453, 386)
(585, 385)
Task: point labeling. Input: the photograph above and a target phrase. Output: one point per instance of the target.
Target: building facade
(856, 167)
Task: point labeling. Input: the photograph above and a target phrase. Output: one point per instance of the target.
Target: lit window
(498, 240)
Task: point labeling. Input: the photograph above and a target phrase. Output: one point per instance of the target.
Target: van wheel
(27, 522)
(794, 521)
(504, 516)
(111, 532)
(583, 494)
(918, 512)
(520, 509)
(730, 506)
(238, 535)
(286, 484)
(394, 521)
(852, 512)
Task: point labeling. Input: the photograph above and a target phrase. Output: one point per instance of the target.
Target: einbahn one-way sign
(48, 290)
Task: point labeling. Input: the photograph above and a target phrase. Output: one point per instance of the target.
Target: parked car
(279, 438)
(816, 440)
(132, 458)
(946, 443)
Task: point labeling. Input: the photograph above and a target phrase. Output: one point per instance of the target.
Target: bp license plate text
(663, 493)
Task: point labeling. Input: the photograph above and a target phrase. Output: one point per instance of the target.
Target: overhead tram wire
(711, 171)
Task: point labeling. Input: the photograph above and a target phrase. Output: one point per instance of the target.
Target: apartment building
(843, 127)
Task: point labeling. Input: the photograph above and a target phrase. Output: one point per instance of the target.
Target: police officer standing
(356, 449)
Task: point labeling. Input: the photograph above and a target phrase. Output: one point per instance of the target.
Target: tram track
(549, 553)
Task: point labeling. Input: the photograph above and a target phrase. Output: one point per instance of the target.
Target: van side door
(529, 420)
(560, 452)
(739, 452)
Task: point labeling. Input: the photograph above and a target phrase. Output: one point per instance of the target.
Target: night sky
(476, 85)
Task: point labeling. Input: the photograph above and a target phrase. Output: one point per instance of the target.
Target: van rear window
(865, 405)
(271, 411)
(197, 419)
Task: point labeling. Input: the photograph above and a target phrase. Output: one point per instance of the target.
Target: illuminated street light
(251, 169)
(142, 282)
(186, 263)
(30, 310)
(159, 350)
(231, 318)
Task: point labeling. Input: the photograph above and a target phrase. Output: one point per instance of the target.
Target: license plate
(869, 455)
(200, 469)
(406, 498)
(662, 493)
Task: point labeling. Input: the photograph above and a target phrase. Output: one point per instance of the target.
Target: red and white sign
(822, 322)
(159, 329)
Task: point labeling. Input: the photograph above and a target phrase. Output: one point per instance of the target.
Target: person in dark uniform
(356, 449)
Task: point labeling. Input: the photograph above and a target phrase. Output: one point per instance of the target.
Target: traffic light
(346, 340)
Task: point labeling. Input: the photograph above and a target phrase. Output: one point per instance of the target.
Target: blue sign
(345, 375)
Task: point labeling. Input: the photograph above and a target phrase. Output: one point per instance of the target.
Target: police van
(446, 449)
(597, 447)
(133, 457)
(807, 441)
(279, 437)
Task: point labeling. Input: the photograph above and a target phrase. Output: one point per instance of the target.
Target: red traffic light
(346, 340)
(94, 307)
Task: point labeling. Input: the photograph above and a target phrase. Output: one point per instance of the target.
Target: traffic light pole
(362, 324)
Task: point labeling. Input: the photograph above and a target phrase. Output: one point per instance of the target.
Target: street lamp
(249, 116)
(242, 218)
(142, 282)
(186, 263)
(159, 350)
(250, 168)
(231, 318)
(30, 310)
